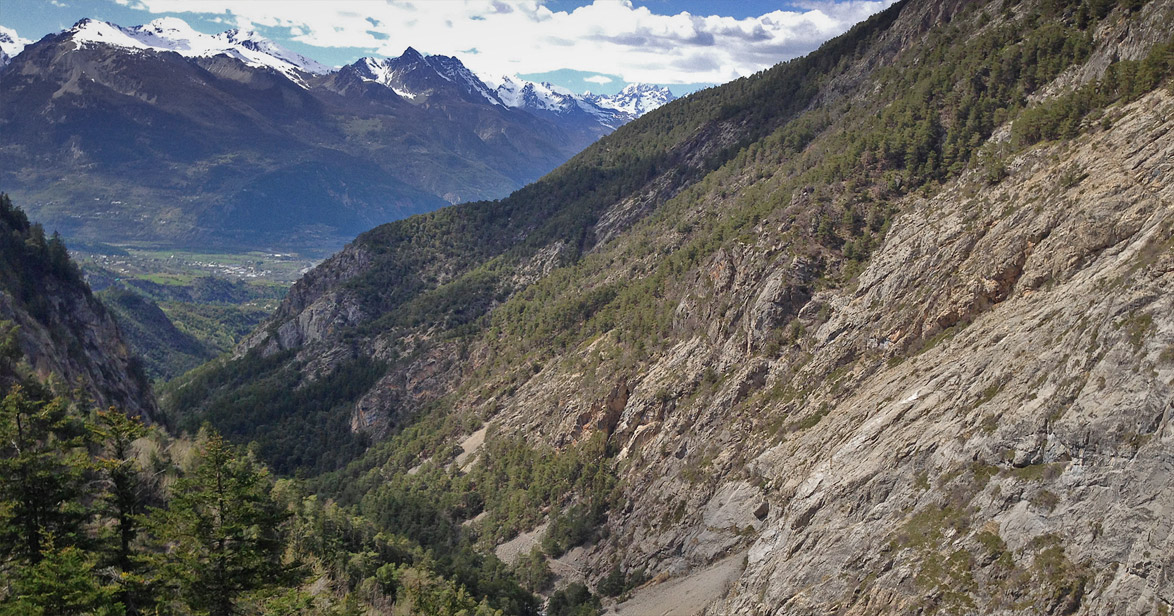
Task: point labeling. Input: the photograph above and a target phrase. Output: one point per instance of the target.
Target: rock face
(78, 342)
(975, 417)
(315, 306)
(63, 331)
(1041, 420)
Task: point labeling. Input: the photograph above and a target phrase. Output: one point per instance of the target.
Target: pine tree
(43, 464)
(222, 531)
(62, 583)
(122, 501)
(123, 496)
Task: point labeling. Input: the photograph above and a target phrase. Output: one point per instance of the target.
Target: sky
(597, 45)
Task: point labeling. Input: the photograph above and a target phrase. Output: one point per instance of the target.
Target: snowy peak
(519, 93)
(455, 71)
(385, 72)
(636, 99)
(255, 42)
(413, 75)
(11, 44)
(173, 34)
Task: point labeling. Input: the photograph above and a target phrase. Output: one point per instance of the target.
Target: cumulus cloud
(526, 36)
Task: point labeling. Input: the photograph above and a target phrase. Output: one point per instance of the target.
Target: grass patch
(1038, 472)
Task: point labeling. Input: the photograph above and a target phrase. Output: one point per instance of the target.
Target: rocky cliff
(903, 346)
(63, 332)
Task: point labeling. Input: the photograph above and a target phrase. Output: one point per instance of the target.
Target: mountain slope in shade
(62, 330)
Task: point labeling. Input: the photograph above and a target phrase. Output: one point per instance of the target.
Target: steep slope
(62, 331)
(166, 351)
(887, 328)
(162, 134)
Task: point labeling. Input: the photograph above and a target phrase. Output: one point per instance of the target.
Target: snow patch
(11, 44)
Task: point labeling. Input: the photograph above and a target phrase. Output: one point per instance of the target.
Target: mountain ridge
(61, 330)
(899, 341)
(249, 131)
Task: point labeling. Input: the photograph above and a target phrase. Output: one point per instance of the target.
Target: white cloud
(598, 79)
(525, 36)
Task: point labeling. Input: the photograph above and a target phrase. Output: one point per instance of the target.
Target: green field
(180, 267)
(180, 308)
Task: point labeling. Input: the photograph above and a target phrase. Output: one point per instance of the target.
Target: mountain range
(887, 329)
(174, 137)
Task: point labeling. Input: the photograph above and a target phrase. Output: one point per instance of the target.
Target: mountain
(175, 35)
(61, 330)
(161, 134)
(635, 99)
(884, 329)
(11, 44)
(608, 112)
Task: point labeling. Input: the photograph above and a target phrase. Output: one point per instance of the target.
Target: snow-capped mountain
(611, 111)
(230, 139)
(11, 44)
(252, 41)
(173, 34)
(519, 93)
(259, 138)
(418, 78)
(413, 75)
(636, 99)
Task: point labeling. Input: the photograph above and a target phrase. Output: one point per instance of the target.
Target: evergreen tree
(43, 463)
(223, 532)
(123, 497)
(122, 501)
(62, 583)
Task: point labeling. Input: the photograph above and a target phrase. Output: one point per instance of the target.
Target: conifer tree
(222, 531)
(43, 463)
(63, 582)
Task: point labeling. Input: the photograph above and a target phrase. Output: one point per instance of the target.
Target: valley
(887, 328)
(178, 308)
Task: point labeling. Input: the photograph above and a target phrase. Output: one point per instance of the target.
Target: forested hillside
(883, 329)
(53, 320)
(889, 286)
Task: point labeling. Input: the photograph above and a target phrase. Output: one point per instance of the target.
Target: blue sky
(599, 45)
